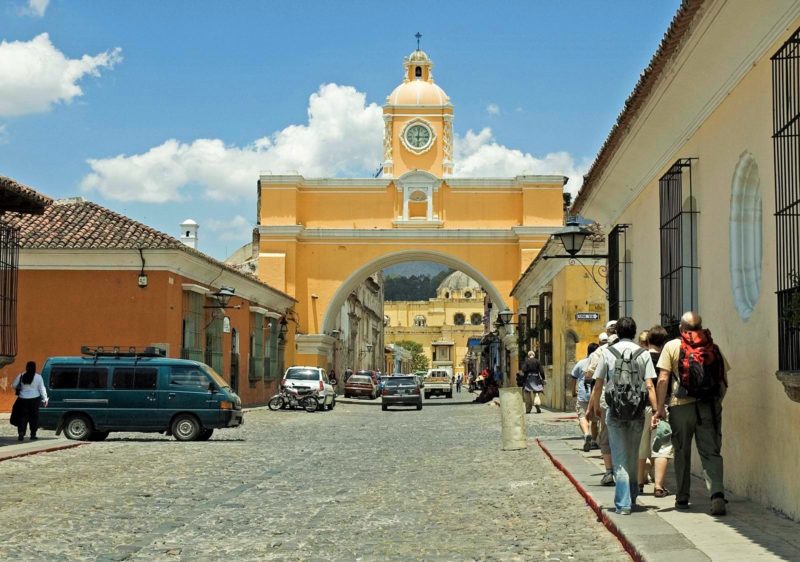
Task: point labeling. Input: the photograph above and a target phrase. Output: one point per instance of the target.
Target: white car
(312, 377)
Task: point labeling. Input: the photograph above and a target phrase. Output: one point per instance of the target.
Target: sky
(165, 111)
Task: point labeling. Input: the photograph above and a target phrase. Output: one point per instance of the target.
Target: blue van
(104, 391)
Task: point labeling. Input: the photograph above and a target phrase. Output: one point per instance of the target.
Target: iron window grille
(678, 230)
(546, 328)
(214, 356)
(532, 329)
(256, 368)
(9, 256)
(274, 366)
(786, 144)
(619, 273)
(192, 344)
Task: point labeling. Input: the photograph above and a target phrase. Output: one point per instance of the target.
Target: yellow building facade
(442, 325)
(698, 167)
(319, 239)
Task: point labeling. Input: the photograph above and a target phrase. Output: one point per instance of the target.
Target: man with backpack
(692, 379)
(624, 376)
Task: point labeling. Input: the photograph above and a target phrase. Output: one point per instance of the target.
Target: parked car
(401, 391)
(360, 385)
(101, 392)
(312, 377)
(438, 382)
(371, 374)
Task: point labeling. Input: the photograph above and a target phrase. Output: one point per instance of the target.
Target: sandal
(661, 493)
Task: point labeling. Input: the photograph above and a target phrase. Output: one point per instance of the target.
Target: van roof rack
(122, 351)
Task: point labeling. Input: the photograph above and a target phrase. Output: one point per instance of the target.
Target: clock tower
(418, 123)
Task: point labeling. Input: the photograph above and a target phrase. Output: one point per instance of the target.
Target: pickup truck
(438, 382)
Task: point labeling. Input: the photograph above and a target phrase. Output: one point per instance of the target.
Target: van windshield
(221, 383)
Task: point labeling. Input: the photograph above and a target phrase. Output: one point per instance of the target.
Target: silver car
(401, 391)
(314, 378)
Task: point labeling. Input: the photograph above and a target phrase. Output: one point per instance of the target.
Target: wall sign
(587, 316)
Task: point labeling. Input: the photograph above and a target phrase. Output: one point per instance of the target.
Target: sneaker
(587, 443)
(718, 506)
(20, 438)
(34, 438)
(538, 410)
(595, 446)
(681, 504)
(607, 479)
(623, 511)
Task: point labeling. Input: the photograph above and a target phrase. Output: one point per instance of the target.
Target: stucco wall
(760, 447)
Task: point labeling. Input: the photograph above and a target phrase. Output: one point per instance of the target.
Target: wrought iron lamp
(222, 296)
(572, 237)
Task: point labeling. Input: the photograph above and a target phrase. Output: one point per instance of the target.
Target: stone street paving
(352, 484)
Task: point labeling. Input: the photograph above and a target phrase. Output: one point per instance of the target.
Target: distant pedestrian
(498, 376)
(643, 339)
(347, 374)
(533, 384)
(332, 378)
(459, 380)
(582, 391)
(625, 376)
(31, 393)
(692, 380)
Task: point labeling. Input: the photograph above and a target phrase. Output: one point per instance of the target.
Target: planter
(791, 383)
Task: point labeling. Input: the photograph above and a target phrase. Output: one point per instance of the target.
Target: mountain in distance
(418, 268)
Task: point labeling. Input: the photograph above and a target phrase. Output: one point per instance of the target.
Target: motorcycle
(291, 397)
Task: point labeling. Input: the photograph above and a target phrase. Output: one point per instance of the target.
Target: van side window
(188, 377)
(64, 377)
(141, 378)
(93, 377)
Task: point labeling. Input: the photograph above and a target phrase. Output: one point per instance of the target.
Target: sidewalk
(11, 447)
(659, 532)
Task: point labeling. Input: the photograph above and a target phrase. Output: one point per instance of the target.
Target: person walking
(533, 384)
(581, 391)
(626, 373)
(693, 380)
(606, 338)
(31, 393)
(459, 379)
(659, 455)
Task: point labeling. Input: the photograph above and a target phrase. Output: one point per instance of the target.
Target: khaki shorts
(648, 439)
(602, 437)
(580, 409)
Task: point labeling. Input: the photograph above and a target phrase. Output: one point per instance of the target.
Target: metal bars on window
(256, 369)
(678, 229)
(192, 344)
(619, 273)
(786, 144)
(9, 255)
(546, 328)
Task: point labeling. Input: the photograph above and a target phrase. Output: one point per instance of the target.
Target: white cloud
(37, 7)
(479, 155)
(238, 228)
(343, 136)
(34, 75)
(493, 109)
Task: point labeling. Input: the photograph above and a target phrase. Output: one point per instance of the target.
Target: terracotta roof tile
(77, 224)
(15, 196)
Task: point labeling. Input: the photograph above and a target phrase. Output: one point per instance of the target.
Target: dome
(418, 92)
(418, 87)
(458, 281)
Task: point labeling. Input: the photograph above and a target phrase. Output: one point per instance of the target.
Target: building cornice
(313, 234)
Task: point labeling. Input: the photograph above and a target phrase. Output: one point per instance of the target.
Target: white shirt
(605, 369)
(33, 390)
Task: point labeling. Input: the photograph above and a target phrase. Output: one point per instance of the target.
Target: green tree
(418, 360)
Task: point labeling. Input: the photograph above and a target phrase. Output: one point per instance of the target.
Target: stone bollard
(512, 417)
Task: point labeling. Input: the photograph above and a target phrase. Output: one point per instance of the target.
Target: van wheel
(205, 435)
(98, 436)
(77, 427)
(186, 428)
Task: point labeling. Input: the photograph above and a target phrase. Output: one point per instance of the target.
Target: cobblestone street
(354, 483)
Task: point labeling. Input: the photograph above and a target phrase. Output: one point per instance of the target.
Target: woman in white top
(30, 395)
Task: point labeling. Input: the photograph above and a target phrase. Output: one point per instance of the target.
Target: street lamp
(572, 237)
(222, 296)
(505, 315)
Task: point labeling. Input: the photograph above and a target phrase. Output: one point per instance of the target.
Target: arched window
(468, 294)
(419, 320)
(458, 319)
(418, 72)
(447, 295)
(745, 236)
(476, 319)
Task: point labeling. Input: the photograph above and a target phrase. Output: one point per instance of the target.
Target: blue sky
(90, 108)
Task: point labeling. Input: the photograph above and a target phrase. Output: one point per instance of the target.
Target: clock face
(418, 136)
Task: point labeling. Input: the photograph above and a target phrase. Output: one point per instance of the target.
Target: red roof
(15, 196)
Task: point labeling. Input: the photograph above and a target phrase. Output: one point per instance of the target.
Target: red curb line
(594, 506)
(48, 450)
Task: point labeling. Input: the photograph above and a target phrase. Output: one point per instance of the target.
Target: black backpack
(625, 392)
